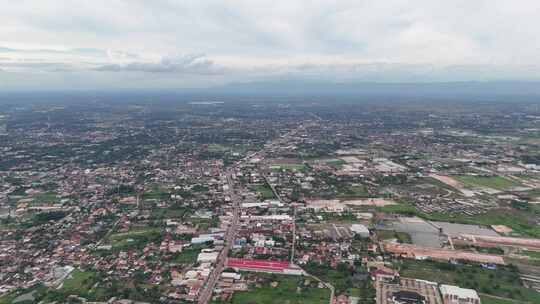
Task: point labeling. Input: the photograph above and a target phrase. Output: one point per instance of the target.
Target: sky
(72, 44)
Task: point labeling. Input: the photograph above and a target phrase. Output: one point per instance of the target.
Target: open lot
(264, 191)
(283, 289)
(135, 238)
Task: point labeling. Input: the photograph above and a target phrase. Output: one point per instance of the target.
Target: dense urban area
(269, 201)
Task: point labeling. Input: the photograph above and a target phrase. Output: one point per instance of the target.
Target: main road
(206, 293)
(208, 288)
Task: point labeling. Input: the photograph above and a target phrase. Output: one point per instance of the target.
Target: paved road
(206, 292)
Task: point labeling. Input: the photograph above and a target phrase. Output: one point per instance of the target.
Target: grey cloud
(190, 64)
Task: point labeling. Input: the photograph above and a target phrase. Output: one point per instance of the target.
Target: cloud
(190, 64)
(388, 40)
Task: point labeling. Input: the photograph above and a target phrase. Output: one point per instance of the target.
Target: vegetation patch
(494, 182)
(272, 288)
(502, 282)
(264, 191)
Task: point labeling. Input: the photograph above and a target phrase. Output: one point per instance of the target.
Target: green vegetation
(336, 163)
(265, 192)
(401, 208)
(502, 282)
(24, 295)
(491, 300)
(189, 254)
(136, 238)
(344, 280)
(173, 212)
(45, 197)
(494, 182)
(520, 221)
(352, 191)
(79, 282)
(283, 289)
(90, 285)
(45, 217)
(531, 254)
(401, 237)
(217, 148)
(155, 193)
(289, 167)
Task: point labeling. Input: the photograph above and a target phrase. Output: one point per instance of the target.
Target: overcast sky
(177, 44)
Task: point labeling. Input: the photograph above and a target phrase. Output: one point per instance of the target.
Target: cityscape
(252, 202)
(269, 152)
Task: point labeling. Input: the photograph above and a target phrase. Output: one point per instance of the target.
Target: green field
(79, 282)
(176, 212)
(264, 191)
(352, 191)
(494, 182)
(492, 300)
(217, 148)
(188, 255)
(155, 193)
(289, 290)
(24, 296)
(502, 282)
(289, 167)
(532, 254)
(46, 197)
(336, 163)
(136, 238)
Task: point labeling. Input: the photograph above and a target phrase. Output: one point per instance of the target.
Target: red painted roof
(257, 264)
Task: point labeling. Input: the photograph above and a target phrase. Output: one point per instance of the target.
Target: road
(206, 293)
(208, 288)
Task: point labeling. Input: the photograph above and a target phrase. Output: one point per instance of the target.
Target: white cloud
(245, 39)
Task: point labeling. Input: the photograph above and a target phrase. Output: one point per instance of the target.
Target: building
(360, 230)
(457, 295)
(207, 257)
(408, 297)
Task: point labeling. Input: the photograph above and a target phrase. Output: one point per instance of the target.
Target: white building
(207, 257)
(457, 295)
(360, 230)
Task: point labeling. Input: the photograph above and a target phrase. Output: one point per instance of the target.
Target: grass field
(502, 282)
(494, 182)
(188, 255)
(155, 193)
(531, 254)
(79, 282)
(336, 163)
(265, 192)
(289, 290)
(135, 238)
(46, 197)
(24, 296)
(161, 213)
(492, 300)
(352, 191)
(289, 167)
